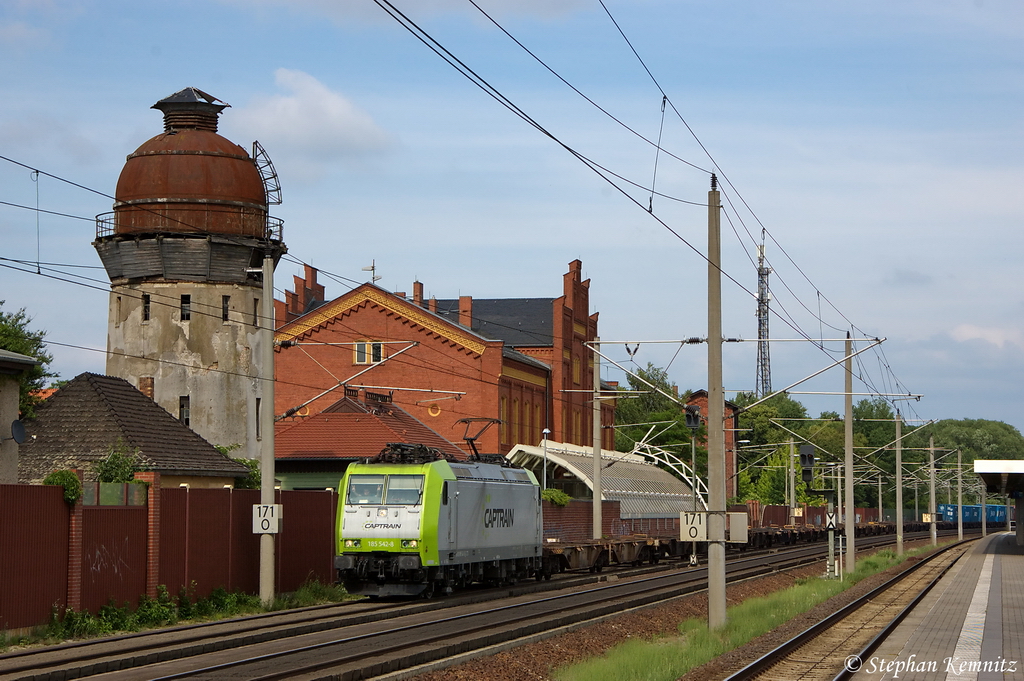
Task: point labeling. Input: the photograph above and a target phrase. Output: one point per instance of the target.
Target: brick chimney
(417, 293)
(466, 311)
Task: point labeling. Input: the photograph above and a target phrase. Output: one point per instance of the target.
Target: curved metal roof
(642, 489)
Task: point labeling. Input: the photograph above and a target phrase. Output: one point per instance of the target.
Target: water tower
(183, 249)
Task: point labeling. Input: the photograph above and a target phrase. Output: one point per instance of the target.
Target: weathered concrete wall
(213, 362)
(8, 413)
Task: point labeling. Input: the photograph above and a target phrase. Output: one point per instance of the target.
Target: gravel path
(536, 660)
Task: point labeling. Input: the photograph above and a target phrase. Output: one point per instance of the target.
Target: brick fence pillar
(75, 539)
(152, 530)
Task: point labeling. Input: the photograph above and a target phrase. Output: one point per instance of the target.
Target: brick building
(521, 361)
(732, 425)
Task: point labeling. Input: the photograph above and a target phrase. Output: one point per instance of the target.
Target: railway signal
(807, 462)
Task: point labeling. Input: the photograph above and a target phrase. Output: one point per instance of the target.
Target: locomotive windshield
(366, 489)
(404, 489)
(370, 489)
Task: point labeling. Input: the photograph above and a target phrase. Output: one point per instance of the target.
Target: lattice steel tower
(763, 385)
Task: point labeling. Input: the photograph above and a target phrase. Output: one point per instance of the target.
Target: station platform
(969, 627)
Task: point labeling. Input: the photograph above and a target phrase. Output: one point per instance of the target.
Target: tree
(634, 414)
(756, 422)
(976, 438)
(15, 336)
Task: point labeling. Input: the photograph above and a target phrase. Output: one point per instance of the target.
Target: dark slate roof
(76, 426)
(350, 429)
(517, 321)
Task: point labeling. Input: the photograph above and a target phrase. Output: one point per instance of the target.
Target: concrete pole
(959, 499)
(850, 518)
(716, 419)
(899, 483)
(267, 472)
(931, 488)
(598, 530)
(791, 470)
(544, 473)
(880, 518)
(984, 511)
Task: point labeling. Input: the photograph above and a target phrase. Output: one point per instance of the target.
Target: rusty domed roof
(189, 178)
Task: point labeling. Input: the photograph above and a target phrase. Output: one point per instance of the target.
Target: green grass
(668, 658)
(166, 610)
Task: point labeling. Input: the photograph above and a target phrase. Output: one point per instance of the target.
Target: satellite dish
(17, 431)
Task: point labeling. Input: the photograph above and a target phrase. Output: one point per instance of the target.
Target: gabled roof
(349, 429)
(368, 293)
(520, 322)
(77, 425)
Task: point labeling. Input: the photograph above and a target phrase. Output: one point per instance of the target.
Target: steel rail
(765, 662)
(680, 584)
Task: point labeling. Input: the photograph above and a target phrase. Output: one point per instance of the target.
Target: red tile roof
(351, 430)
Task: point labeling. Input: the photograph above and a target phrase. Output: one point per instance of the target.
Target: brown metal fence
(33, 554)
(305, 547)
(113, 555)
(205, 538)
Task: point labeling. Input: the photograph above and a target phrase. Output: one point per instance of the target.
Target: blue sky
(878, 144)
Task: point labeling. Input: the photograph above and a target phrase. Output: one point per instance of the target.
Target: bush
(120, 464)
(153, 612)
(69, 480)
(310, 593)
(253, 479)
(117, 619)
(556, 497)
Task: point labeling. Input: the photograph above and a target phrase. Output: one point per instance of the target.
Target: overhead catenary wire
(586, 161)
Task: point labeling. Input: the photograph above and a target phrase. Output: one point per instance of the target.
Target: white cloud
(996, 336)
(310, 127)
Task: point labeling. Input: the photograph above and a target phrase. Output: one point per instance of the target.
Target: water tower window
(145, 307)
(225, 307)
(186, 307)
(256, 312)
(117, 313)
(184, 414)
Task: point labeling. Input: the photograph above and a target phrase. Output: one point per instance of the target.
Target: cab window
(365, 489)
(404, 489)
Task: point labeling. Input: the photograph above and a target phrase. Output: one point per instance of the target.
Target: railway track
(368, 634)
(821, 652)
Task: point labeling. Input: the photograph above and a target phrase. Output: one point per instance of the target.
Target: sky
(876, 149)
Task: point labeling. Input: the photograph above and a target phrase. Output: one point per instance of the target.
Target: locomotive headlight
(382, 513)
(409, 543)
(351, 543)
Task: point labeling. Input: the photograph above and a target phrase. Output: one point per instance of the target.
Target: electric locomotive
(413, 521)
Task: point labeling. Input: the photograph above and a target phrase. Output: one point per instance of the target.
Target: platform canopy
(1002, 476)
(642, 488)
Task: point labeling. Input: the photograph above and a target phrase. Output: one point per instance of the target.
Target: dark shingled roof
(76, 426)
(520, 322)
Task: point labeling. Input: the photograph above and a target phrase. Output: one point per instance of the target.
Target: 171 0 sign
(266, 518)
(693, 526)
